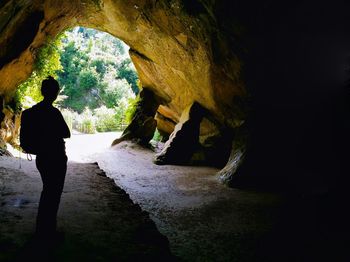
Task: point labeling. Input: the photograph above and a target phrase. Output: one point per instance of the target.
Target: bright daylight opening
(98, 84)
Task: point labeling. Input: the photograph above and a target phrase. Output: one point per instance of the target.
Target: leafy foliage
(105, 119)
(96, 75)
(127, 71)
(157, 136)
(47, 63)
(87, 122)
(101, 119)
(97, 71)
(131, 110)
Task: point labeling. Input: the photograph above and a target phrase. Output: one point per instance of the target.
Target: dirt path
(207, 221)
(202, 219)
(100, 221)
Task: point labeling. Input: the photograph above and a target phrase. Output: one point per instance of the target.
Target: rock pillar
(142, 126)
(184, 140)
(230, 172)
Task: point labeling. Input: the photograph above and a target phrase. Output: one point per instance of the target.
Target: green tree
(105, 119)
(88, 78)
(127, 71)
(97, 77)
(96, 70)
(46, 63)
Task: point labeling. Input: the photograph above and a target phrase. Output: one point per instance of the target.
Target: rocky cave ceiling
(214, 61)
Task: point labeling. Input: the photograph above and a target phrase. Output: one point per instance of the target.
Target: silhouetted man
(51, 159)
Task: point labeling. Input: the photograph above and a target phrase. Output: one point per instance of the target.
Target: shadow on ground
(99, 220)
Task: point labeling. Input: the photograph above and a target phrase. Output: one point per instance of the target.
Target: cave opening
(99, 88)
(260, 79)
(176, 72)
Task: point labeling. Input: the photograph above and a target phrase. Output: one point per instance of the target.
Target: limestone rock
(172, 46)
(214, 149)
(238, 153)
(165, 125)
(183, 51)
(9, 125)
(184, 140)
(143, 124)
(4, 151)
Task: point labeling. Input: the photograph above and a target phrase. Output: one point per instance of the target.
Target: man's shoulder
(56, 109)
(44, 107)
(29, 110)
(41, 110)
(35, 112)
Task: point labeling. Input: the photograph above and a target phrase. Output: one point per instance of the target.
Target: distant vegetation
(96, 75)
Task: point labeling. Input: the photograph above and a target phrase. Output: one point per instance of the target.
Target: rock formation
(173, 47)
(143, 124)
(287, 57)
(9, 126)
(184, 140)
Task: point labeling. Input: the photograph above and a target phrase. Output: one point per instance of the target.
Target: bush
(102, 119)
(105, 119)
(88, 126)
(69, 116)
(88, 78)
(47, 62)
(157, 136)
(85, 122)
(131, 109)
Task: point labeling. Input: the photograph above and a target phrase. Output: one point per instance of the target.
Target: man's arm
(65, 132)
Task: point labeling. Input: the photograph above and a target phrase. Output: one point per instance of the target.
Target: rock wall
(184, 140)
(9, 126)
(174, 46)
(288, 57)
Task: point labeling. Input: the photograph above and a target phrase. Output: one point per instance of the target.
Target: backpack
(30, 132)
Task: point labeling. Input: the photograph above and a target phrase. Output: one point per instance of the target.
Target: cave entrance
(99, 87)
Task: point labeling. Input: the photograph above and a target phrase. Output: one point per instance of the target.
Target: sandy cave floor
(202, 219)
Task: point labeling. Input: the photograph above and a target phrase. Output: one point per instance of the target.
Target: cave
(256, 88)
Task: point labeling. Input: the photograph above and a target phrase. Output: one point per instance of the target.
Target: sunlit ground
(80, 147)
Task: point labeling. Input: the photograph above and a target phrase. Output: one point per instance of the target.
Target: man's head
(50, 89)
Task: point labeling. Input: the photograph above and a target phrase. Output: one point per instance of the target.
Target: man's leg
(53, 173)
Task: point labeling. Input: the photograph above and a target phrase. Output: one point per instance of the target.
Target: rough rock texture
(237, 155)
(174, 46)
(24, 27)
(143, 124)
(288, 56)
(9, 126)
(184, 140)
